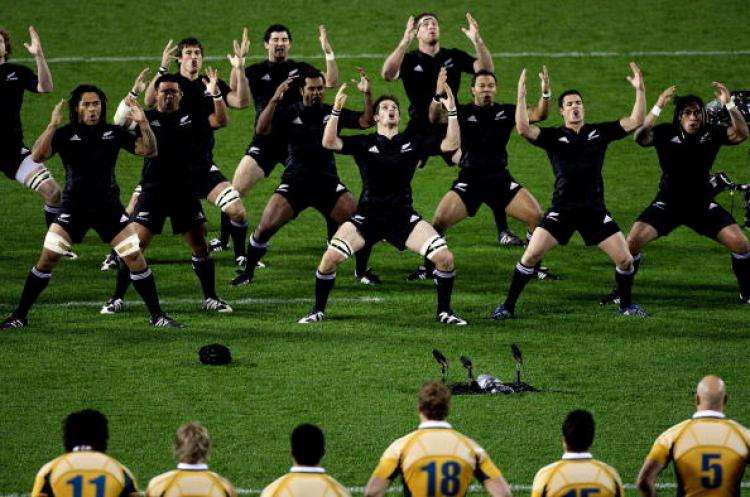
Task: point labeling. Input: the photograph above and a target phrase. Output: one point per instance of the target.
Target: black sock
(362, 259)
(624, 280)
(206, 272)
(636, 262)
(144, 284)
(239, 234)
(123, 280)
(36, 282)
(501, 220)
(255, 251)
(741, 268)
(50, 214)
(323, 285)
(444, 286)
(226, 229)
(331, 227)
(521, 276)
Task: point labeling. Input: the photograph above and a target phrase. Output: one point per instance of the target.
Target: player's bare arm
(363, 85)
(435, 113)
(167, 56)
(145, 145)
(220, 116)
(42, 149)
(541, 110)
(239, 96)
(737, 132)
(646, 481)
(263, 126)
(35, 49)
(497, 487)
(523, 126)
(331, 140)
(122, 114)
(644, 135)
(635, 119)
(332, 69)
(484, 57)
(376, 487)
(452, 140)
(392, 64)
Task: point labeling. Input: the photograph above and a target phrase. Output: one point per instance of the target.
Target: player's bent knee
(228, 200)
(39, 179)
(433, 246)
(340, 248)
(56, 243)
(444, 260)
(129, 246)
(330, 261)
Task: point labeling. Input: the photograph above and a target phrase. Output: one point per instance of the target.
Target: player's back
(85, 473)
(305, 482)
(577, 476)
(189, 483)
(710, 455)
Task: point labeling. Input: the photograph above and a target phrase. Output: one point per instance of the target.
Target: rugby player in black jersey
(310, 178)
(167, 187)
(88, 148)
(687, 148)
(484, 177)
(576, 152)
(418, 71)
(387, 161)
(263, 78)
(15, 158)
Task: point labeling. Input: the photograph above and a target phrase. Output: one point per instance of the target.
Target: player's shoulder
(49, 466)
(156, 484)
(545, 471)
(271, 488)
(671, 433)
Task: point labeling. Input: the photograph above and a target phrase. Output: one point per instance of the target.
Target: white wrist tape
(730, 105)
(656, 110)
(330, 56)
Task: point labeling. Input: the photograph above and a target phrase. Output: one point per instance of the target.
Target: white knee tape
(56, 243)
(226, 197)
(433, 245)
(128, 246)
(341, 246)
(36, 180)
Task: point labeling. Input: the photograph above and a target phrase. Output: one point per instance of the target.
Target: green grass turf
(357, 374)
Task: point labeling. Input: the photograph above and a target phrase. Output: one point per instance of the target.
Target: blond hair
(192, 443)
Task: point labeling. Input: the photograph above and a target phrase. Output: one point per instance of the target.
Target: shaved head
(711, 394)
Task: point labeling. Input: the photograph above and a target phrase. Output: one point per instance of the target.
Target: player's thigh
(344, 243)
(449, 211)
(542, 241)
(247, 174)
(641, 234)
(56, 242)
(195, 237)
(524, 207)
(277, 213)
(616, 247)
(344, 207)
(733, 238)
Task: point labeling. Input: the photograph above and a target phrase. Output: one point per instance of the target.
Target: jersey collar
(79, 448)
(192, 467)
(307, 469)
(709, 414)
(577, 455)
(434, 424)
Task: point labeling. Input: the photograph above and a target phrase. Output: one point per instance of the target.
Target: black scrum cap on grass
(215, 354)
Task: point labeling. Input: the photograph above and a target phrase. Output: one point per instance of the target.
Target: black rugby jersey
(197, 101)
(485, 132)
(686, 160)
(419, 72)
(264, 77)
(303, 128)
(577, 160)
(14, 80)
(89, 155)
(387, 166)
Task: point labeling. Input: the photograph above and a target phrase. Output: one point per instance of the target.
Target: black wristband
(335, 113)
(163, 70)
(453, 113)
(133, 94)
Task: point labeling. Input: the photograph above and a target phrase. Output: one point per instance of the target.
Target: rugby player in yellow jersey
(306, 478)
(192, 444)
(709, 452)
(577, 474)
(436, 460)
(85, 470)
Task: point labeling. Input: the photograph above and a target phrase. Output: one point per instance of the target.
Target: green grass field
(357, 373)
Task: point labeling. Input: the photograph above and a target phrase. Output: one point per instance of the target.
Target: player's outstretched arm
(331, 140)
(635, 119)
(435, 112)
(220, 117)
(644, 136)
(363, 85)
(145, 145)
(737, 132)
(497, 487)
(42, 149)
(452, 140)
(167, 56)
(332, 68)
(541, 110)
(263, 126)
(43, 73)
(239, 96)
(392, 64)
(122, 114)
(646, 481)
(523, 126)
(484, 57)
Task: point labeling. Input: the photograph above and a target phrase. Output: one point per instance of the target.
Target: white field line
(523, 487)
(250, 301)
(500, 55)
